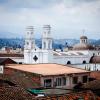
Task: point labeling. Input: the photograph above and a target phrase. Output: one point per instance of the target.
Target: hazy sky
(67, 17)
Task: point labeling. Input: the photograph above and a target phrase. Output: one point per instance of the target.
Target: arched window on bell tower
(49, 45)
(44, 45)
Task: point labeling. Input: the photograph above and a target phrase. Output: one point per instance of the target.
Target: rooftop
(47, 69)
(83, 37)
(4, 61)
(84, 95)
(83, 46)
(93, 85)
(95, 74)
(14, 93)
(11, 55)
(95, 59)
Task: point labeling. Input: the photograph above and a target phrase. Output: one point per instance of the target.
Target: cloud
(29, 3)
(67, 17)
(41, 3)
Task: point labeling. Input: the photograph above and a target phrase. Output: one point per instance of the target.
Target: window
(35, 58)
(75, 80)
(63, 80)
(27, 32)
(84, 41)
(32, 43)
(20, 62)
(27, 43)
(93, 54)
(68, 62)
(85, 79)
(84, 62)
(44, 45)
(58, 81)
(49, 45)
(47, 83)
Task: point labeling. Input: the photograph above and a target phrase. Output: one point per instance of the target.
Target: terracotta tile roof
(95, 74)
(47, 69)
(14, 93)
(85, 95)
(92, 85)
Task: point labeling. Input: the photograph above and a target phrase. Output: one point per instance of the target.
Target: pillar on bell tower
(29, 38)
(46, 38)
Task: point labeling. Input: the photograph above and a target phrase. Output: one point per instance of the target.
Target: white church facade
(82, 52)
(33, 54)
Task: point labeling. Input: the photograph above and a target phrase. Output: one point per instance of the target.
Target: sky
(68, 18)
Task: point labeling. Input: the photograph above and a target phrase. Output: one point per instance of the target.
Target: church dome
(83, 37)
(95, 59)
(83, 46)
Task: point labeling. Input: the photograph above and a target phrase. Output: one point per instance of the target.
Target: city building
(35, 55)
(46, 75)
(81, 53)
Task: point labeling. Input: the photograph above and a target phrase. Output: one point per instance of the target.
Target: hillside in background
(9, 35)
(57, 43)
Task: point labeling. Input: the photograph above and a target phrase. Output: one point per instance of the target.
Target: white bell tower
(29, 40)
(35, 55)
(29, 44)
(46, 38)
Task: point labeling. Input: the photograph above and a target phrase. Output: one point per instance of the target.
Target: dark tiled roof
(11, 55)
(4, 61)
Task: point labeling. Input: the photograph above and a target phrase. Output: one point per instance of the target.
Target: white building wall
(91, 67)
(72, 59)
(18, 60)
(43, 56)
(26, 56)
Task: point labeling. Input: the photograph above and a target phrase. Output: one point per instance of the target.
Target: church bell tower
(33, 54)
(29, 44)
(46, 38)
(29, 40)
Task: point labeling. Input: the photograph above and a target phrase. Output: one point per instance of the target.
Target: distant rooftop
(11, 55)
